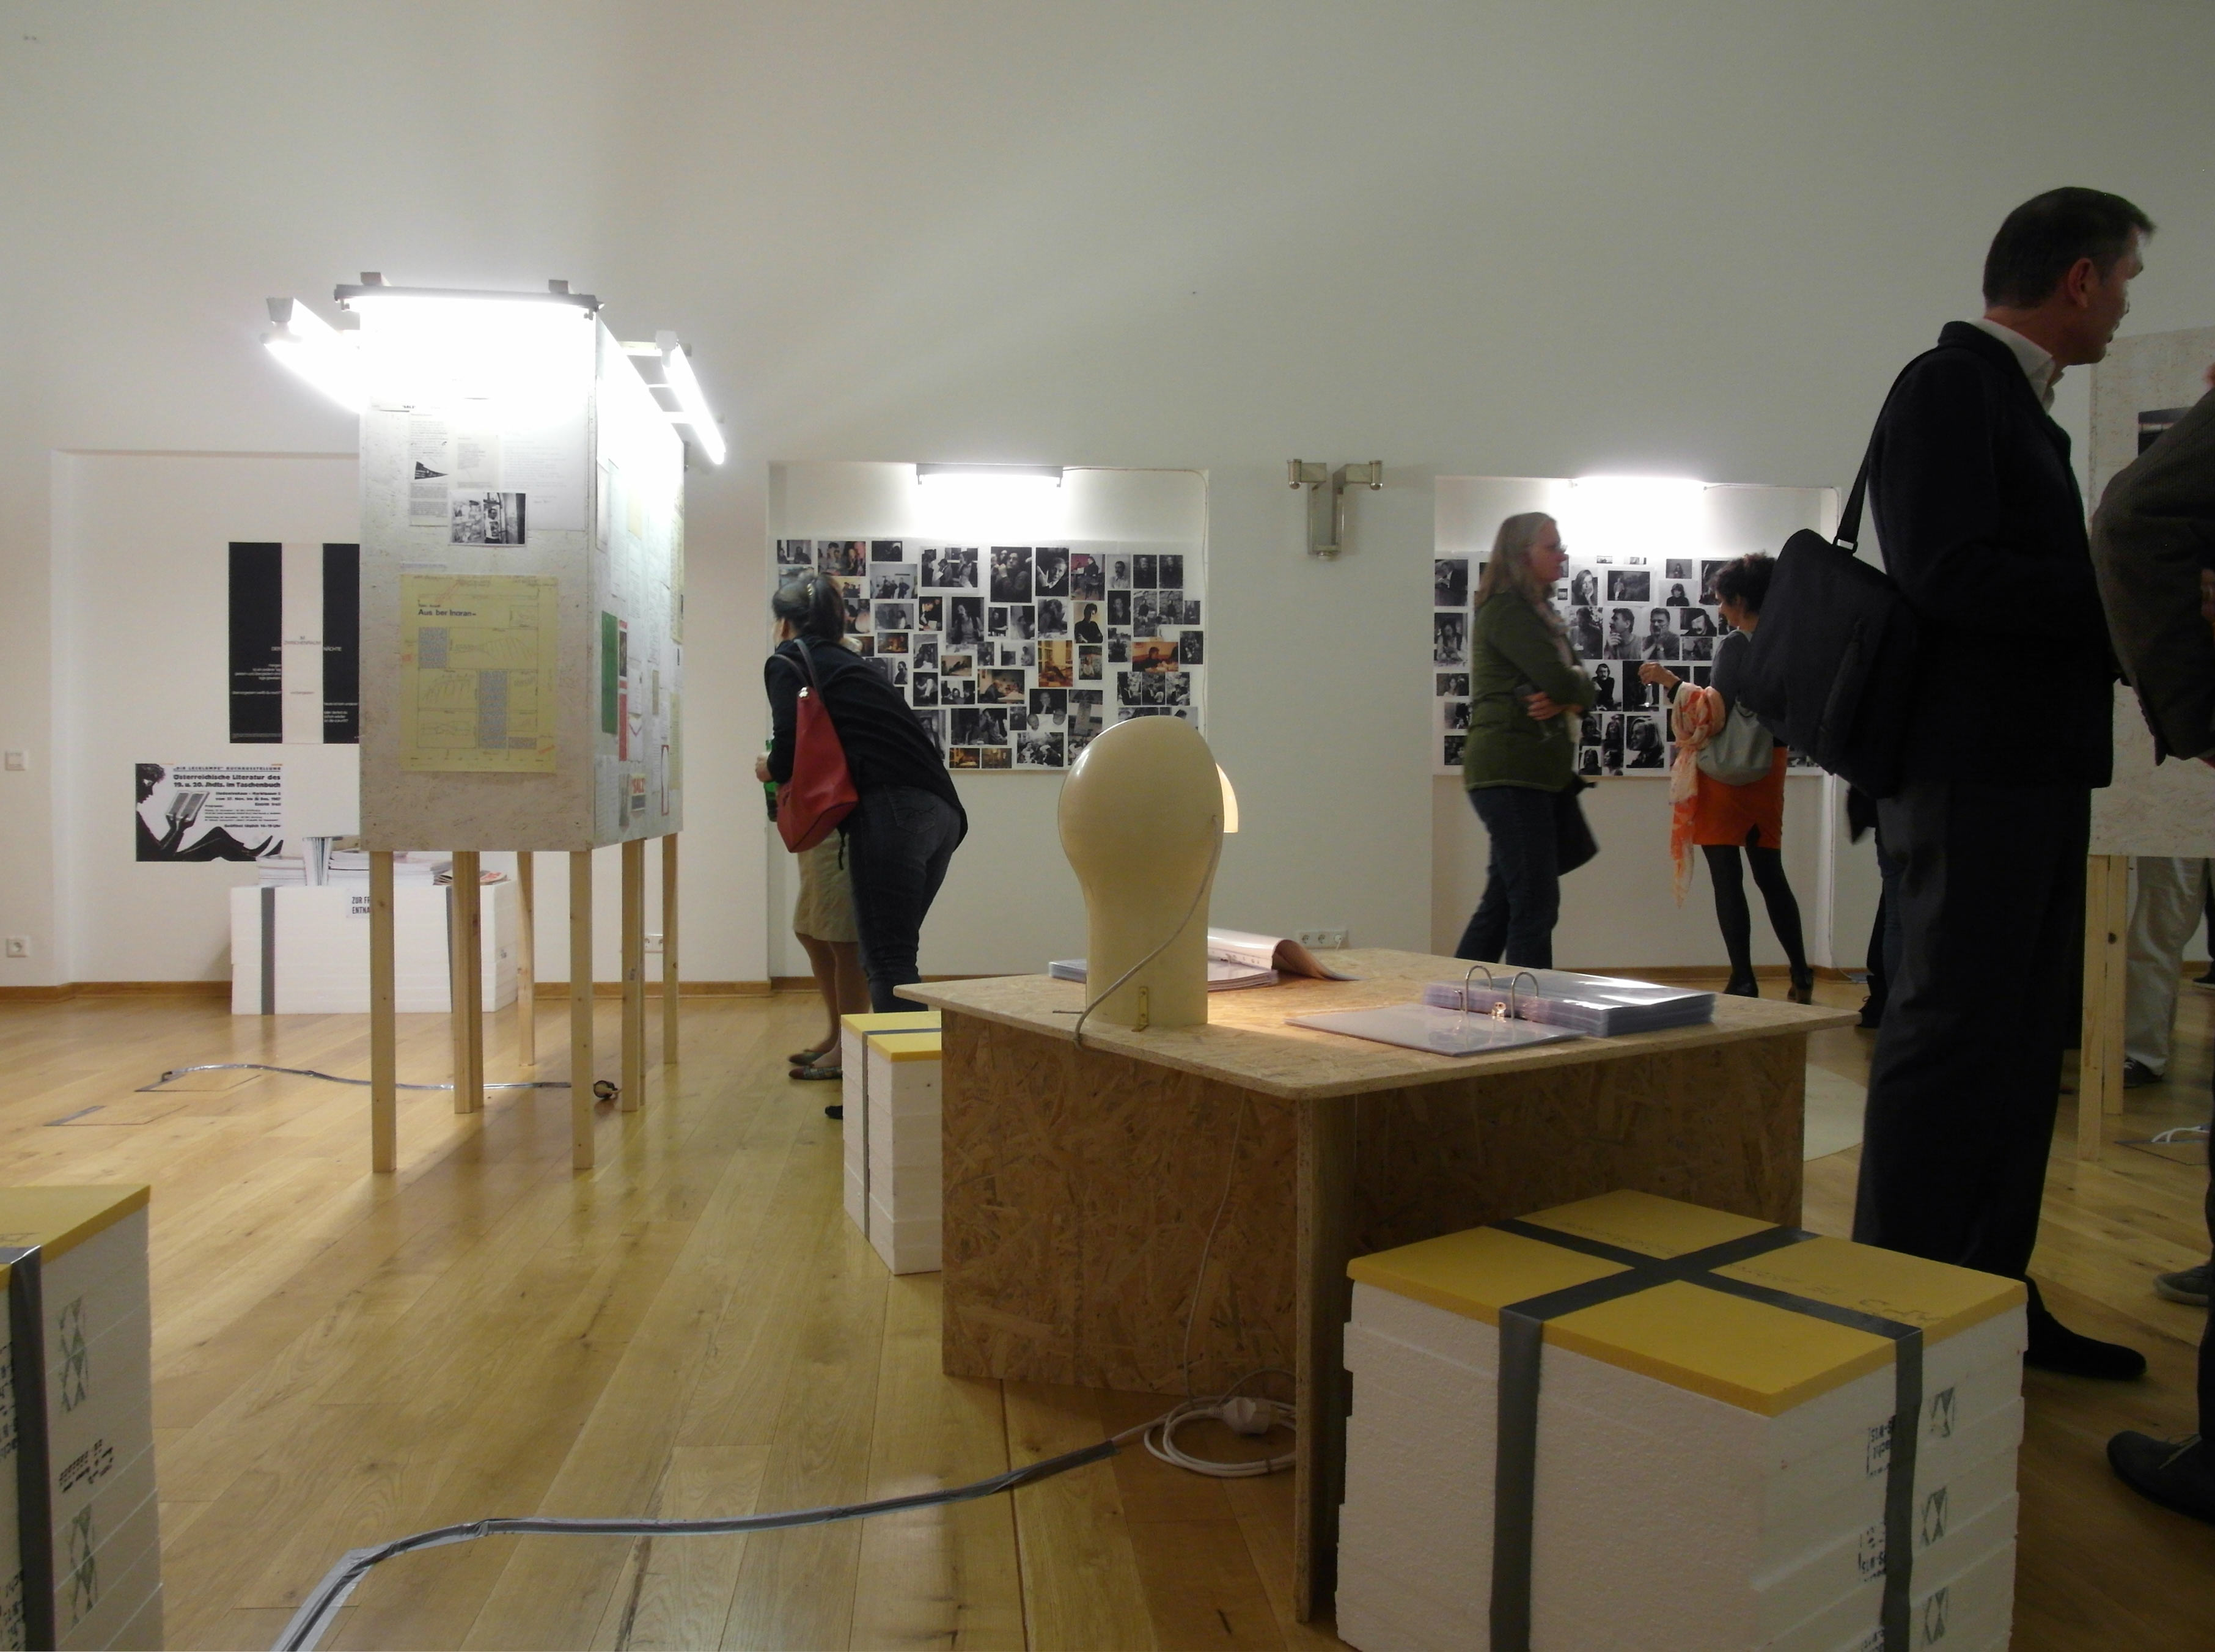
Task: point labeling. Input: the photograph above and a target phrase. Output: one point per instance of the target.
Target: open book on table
(1236, 958)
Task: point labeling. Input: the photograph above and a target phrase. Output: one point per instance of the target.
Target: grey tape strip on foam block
(1522, 1337)
(34, 1519)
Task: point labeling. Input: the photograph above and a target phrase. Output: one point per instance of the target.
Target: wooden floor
(696, 1329)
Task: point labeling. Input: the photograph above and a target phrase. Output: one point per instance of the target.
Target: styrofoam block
(143, 1633)
(126, 1585)
(1964, 1599)
(908, 1190)
(108, 1495)
(857, 1199)
(1660, 1514)
(905, 1231)
(899, 1088)
(323, 949)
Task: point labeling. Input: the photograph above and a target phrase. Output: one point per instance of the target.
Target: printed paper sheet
(477, 660)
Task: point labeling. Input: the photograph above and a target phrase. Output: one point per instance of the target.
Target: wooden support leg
(1325, 1241)
(581, 1009)
(669, 947)
(634, 975)
(526, 960)
(2100, 1043)
(467, 1005)
(383, 1027)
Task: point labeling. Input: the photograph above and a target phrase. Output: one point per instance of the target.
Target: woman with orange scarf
(1723, 806)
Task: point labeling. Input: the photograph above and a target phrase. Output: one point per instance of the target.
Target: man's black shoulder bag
(1832, 669)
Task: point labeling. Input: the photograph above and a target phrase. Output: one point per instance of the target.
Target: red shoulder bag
(820, 793)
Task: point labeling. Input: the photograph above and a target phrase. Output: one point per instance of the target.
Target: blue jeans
(899, 841)
(1514, 921)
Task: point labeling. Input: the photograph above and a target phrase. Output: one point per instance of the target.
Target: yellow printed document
(476, 673)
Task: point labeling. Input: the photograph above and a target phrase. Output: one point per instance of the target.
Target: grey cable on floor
(336, 1078)
(313, 1620)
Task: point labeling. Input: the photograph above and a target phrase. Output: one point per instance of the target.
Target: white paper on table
(1439, 1032)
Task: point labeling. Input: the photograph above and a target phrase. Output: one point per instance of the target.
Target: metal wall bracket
(1326, 498)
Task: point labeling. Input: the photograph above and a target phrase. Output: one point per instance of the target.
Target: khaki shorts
(824, 911)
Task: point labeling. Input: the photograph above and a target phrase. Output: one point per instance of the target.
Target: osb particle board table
(1081, 1185)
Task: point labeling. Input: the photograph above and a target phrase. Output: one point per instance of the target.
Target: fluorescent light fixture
(1230, 801)
(319, 353)
(692, 409)
(1047, 476)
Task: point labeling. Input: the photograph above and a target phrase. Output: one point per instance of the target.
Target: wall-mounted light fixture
(325, 356)
(1326, 498)
(1030, 475)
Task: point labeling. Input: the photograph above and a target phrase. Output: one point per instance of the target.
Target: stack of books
(1237, 959)
(1598, 1006)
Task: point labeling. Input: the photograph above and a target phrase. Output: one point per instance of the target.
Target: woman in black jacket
(902, 835)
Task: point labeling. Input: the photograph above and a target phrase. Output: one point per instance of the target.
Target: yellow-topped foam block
(893, 1021)
(1753, 1354)
(59, 1219)
(906, 1046)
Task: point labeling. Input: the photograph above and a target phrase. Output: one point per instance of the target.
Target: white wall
(1466, 236)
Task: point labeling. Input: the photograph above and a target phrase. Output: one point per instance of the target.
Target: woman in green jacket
(1520, 761)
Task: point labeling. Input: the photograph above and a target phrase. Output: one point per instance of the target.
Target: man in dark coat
(1980, 523)
(2153, 544)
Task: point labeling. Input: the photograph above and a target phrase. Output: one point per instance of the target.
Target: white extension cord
(1242, 1414)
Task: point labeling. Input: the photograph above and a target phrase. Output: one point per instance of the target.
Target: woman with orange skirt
(1728, 789)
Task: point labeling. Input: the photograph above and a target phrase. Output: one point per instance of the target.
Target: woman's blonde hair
(1509, 567)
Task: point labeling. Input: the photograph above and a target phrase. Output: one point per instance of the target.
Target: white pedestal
(317, 939)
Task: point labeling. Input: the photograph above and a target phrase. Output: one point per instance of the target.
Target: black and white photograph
(957, 691)
(1088, 576)
(1143, 575)
(1191, 647)
(926, 653)
(1051, 575)
(895, 667)
(1119, 648)
(1450, 581)
(1660, 643)
(1697, 622)
(977, 726)
(1456, 714)
(895, 616)
(1584, 588)
(848, 558)
(892, 582)
(930, 614)
(1641, 743)
(1629, 585)
(1449, 639)
(1709, 570)
(1176, 688)
(1130, 688)
(1453, 682)
(1623, 635)
(933, 724)
(965, 622)
(949, 567)
(888, 550)
(857, 593)
(1638, 695)
(1603, 676)
(1119, 571)
(1678, 568)
(1192, 611)
(1088, 622)
(1449, 750)
(1011, 573)
(1677, 598)
(1611, 744)
(1149, 689)
(486, 516)
(1053, 617)
(1168, 566)
(1587, 761)
(923, 689)
(1144, 614)
(1039, 748)
(1699, 648)
(1585, 641)
(1089, 660)
(1049, 703)
(1000, 687)
(795, 553)
(1119, 608)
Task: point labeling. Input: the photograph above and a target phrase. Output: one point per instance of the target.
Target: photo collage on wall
(1015, 656)
(1619, 611)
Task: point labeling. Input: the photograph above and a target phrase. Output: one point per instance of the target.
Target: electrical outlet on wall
(19, 946)
(1322, 940)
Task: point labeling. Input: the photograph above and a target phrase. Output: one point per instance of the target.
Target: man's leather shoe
(2178, 1474)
